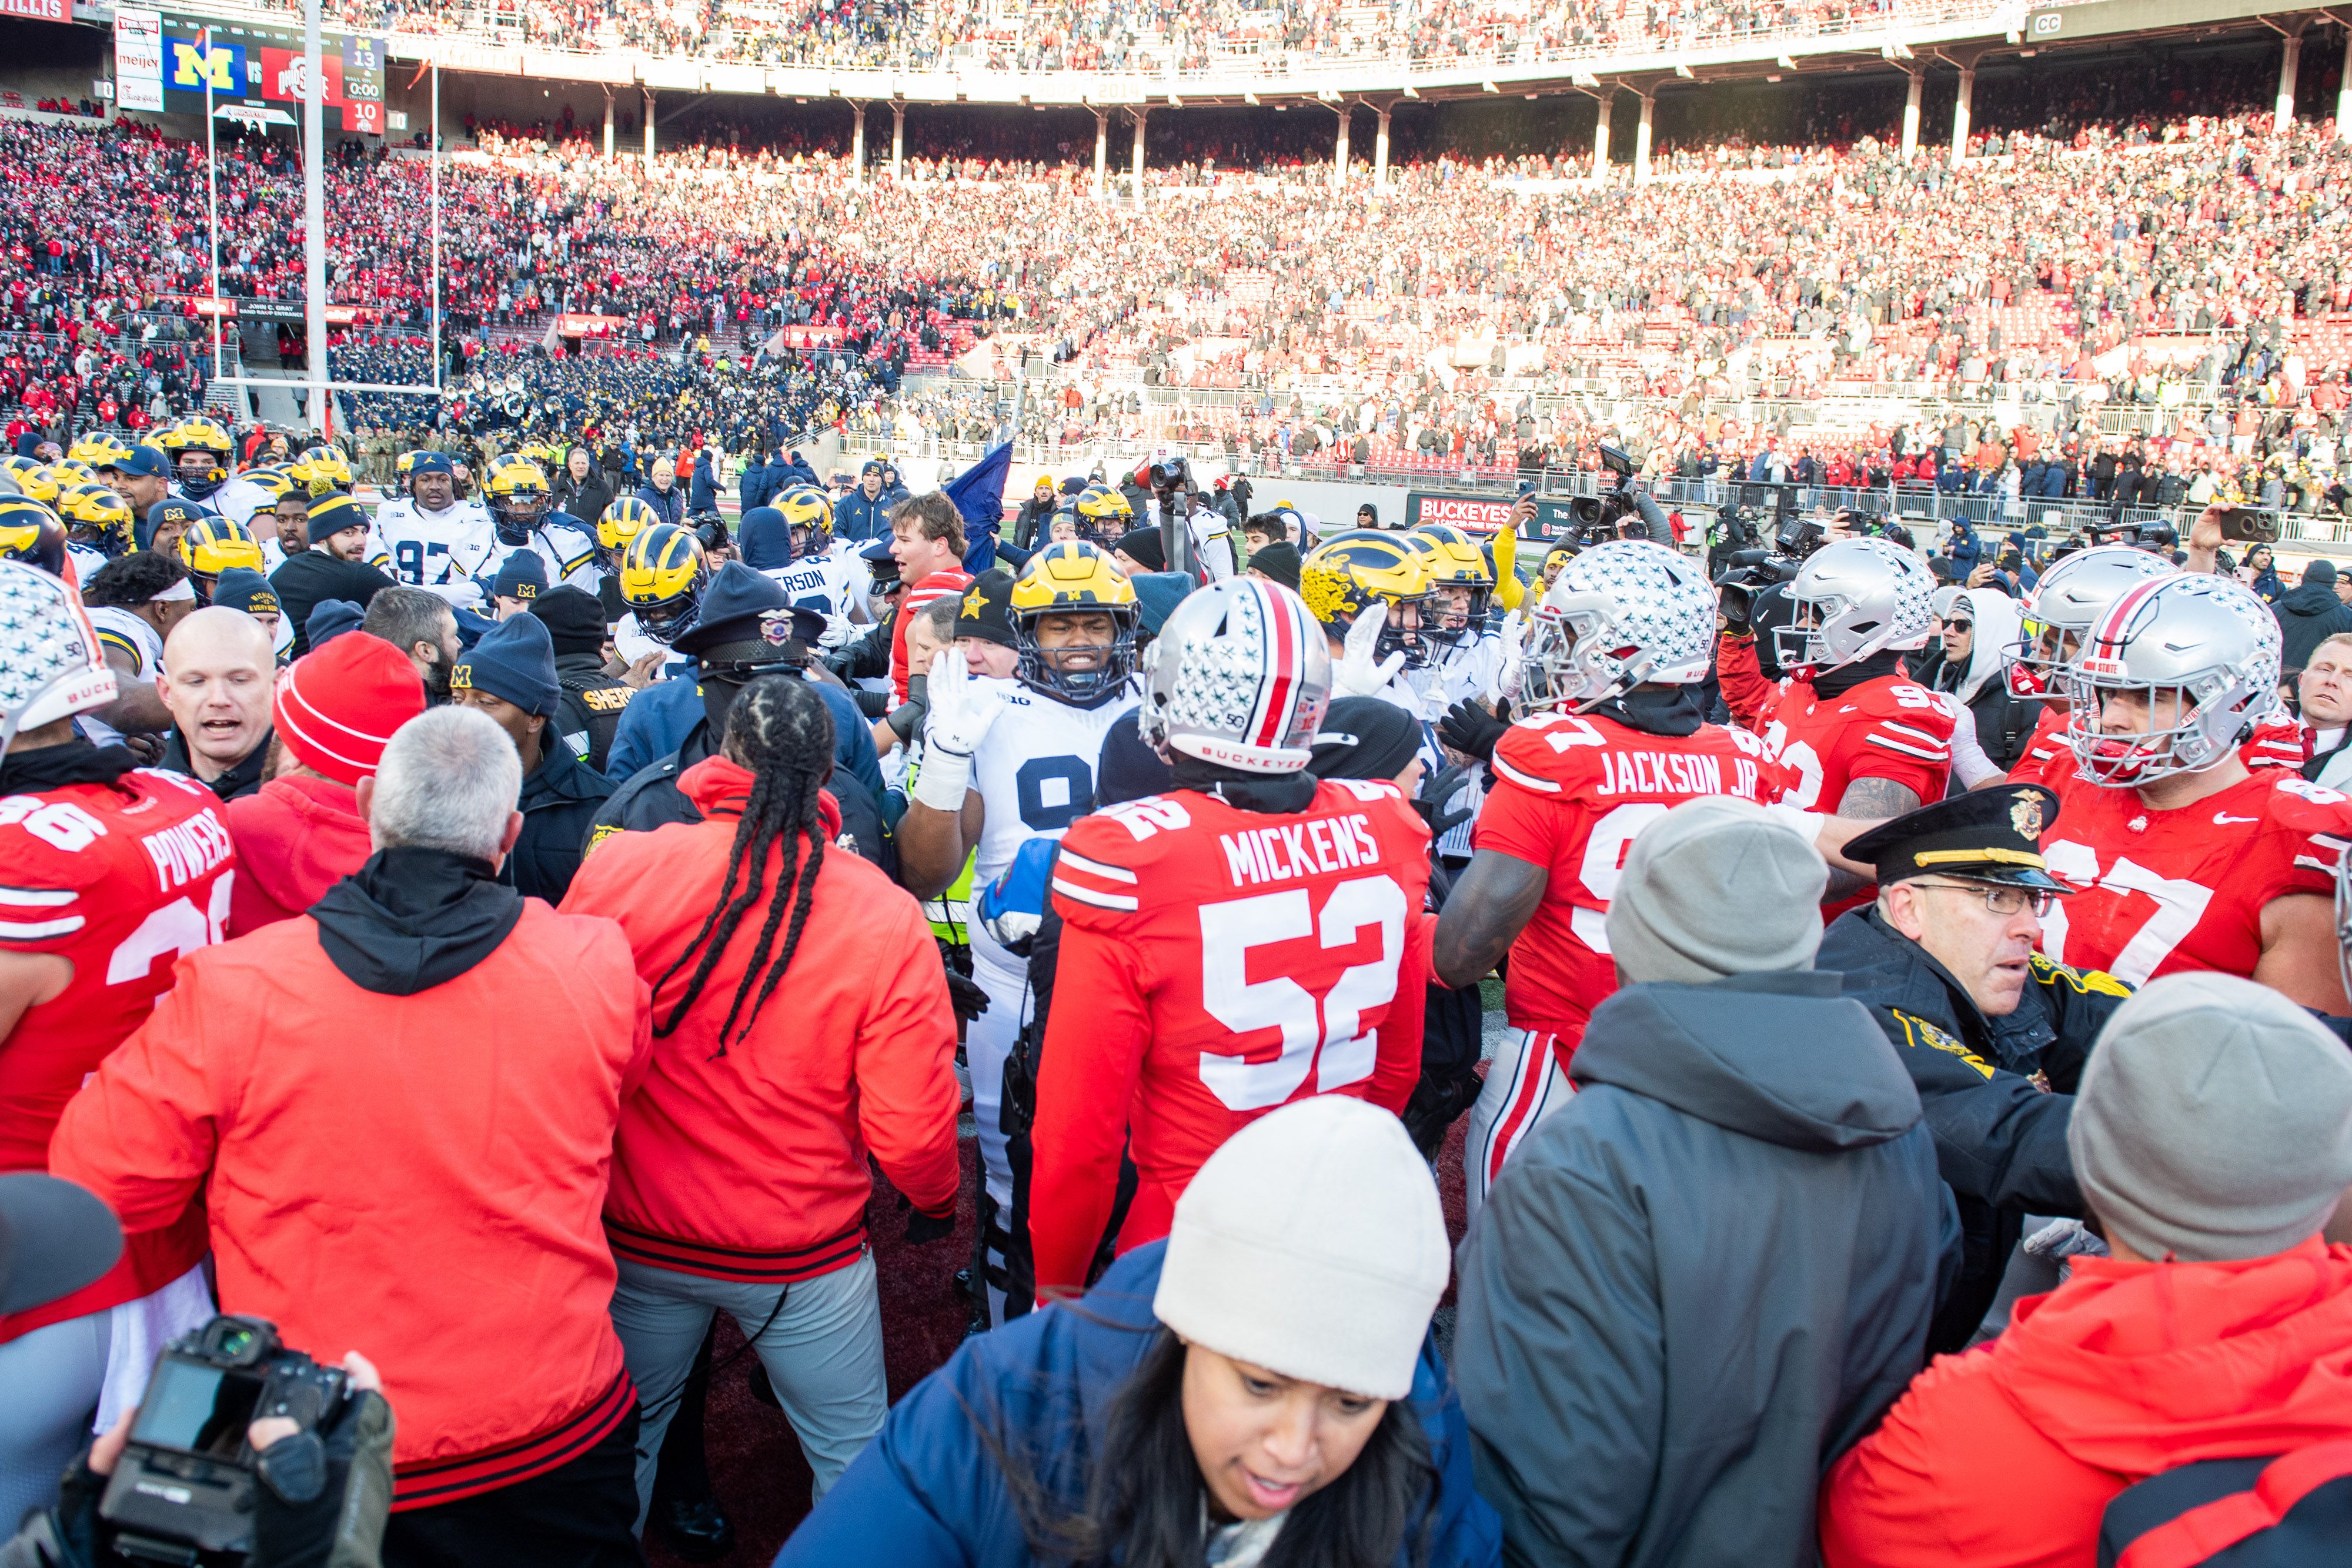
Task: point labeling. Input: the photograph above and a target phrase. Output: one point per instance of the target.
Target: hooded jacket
(1743, 1190)
(932, 1491)
(2308, 616)
(559, 802)
(296, 838)
(744, 1158)
(2007, 1456)
(419, 1049)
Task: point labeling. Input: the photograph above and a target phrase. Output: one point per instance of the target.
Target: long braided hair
(781, 729)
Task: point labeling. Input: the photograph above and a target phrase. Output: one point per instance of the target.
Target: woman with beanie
(801, 1023)
(1257, 1388)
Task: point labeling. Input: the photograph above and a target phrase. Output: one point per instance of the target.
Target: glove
(2064, 1238)
(1430, 800)
(839, 631)
(1514, 661)
(958, 721)
(1471, 730)
(906, 718)
(1357, 675)
(325, 1492)
(1013, 906)
(925, 1229)
(969, 999)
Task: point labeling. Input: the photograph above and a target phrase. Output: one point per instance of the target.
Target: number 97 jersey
(1216, 963)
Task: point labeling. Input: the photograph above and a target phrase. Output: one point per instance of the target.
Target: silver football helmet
(1854, 598)
(2070, 595)
(2201, 652)
(50, 663)
(1239, 676)
(1619, 615)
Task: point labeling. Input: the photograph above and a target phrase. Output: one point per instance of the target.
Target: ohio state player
(1250, 937)
(1864, 738)
(2182, 857)
(1612, 656)
(108, 872)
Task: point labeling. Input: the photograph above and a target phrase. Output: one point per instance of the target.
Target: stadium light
(1583, 79)
(1412, 92)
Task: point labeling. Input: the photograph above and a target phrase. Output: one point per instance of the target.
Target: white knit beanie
(1310, 1244)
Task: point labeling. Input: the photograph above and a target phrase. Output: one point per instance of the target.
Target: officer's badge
(775, 627)
(2025, 816)
(975, 602)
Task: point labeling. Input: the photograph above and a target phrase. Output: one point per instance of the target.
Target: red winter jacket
(2007, 1456)
(419, 1179)
(749, 1163)
(296, 837)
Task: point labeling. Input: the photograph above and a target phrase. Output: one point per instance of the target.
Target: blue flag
(979, 494)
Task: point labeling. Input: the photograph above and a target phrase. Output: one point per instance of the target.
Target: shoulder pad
(1917, 1032)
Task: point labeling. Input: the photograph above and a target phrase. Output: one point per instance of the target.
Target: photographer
(321, 1501)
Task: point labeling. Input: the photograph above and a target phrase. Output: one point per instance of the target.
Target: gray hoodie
(1702, 1279)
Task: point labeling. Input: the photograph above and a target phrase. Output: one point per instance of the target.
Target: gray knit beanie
(2213, 1120)
(1713, 888)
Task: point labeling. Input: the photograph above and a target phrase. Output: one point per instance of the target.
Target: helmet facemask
(1049, 669)
(2190, 727)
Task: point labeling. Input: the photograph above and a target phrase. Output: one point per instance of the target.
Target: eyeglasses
(2003, 901)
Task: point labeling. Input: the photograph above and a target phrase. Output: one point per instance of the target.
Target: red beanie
(338, 705)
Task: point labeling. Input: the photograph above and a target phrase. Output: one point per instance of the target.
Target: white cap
(1310, 1244)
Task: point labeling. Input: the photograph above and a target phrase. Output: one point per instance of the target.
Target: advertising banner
(139, 59)
(1483, 513)
(38, 10)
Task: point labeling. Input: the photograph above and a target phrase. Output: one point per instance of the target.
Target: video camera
(1597, 519)
(1758, 553)
(185, 1486)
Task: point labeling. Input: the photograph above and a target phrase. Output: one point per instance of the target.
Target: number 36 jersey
(2161, 891)
(1216, 963)
(1570, 793)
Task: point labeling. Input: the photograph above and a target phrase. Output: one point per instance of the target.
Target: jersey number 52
(1331, 1027)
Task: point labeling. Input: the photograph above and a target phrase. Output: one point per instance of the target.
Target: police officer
(746, 629)
(593, 702)
(1994, 1034)
(510, 674)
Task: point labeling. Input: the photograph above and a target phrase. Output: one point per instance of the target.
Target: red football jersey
(1217, 963)
(2161, 891)
(1571, 792)
(120, 880)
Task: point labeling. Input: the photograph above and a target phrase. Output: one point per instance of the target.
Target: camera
(185, 1483)
(1763, 559)
(1611, 515)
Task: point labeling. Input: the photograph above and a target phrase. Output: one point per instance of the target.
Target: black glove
(325, 1491)
(1735, 604)
(1437, 790)
(906, 720)
(924, 1228)
(967, 996)
(1471, 730)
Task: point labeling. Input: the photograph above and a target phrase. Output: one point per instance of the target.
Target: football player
(211, 545)
(32, 533)
(1251, 937)
(523, 517)
(2180, 855)
(1615, 739)
(433, 540)
(98, 527)
(663, 573)
(1863, 740)
(1375, 600)
(200, 452)
(1005, 761)
(1467, 664)
(112, 873)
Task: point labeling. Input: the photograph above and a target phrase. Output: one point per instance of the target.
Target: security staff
(593, 702)
(746, 629)
(1994, 1034)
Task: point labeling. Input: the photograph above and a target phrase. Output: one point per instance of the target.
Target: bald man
(219, 671)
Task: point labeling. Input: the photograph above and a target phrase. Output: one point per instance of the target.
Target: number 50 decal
(1333, 1027)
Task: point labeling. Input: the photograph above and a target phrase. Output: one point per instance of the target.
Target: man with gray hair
(1714, 1268)
(448, 1150)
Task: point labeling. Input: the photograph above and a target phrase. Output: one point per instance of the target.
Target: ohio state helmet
(2202, 651)
(2069, 596)
(51, 666)
(1864, 596)
(1619, 615)
(1239, 676)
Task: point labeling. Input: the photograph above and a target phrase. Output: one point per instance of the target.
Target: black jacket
(2308, 617)
(302, 582)
(1741, 1190)
(242, 780)
(560, 799)
(1997, 1092)
(590, 709)
(651, 799)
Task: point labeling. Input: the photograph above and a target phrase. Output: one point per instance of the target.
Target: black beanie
(1144, 544)
(986, 611)
(1130, 766)
(1364, 737)
(1278, 561)
(575, 620)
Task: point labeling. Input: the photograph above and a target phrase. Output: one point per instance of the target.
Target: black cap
(747, 619)
(1984, 835)
(986, 613)
(575, 620)
(54, 1237)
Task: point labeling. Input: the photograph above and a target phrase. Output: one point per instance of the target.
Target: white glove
(839, 630)
(1513, 676)
(1356, 675)
(958, 722)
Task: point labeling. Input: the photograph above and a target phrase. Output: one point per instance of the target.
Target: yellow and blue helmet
(662, 577)
(516, 490)
(31, 533)
(1350, 572)
(100, 451)
(95, 516)
(1074, 578)
(623, 522)
(211, 545)
(809, 510)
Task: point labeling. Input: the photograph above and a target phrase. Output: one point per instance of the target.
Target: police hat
(1983, 835)
(747, 619)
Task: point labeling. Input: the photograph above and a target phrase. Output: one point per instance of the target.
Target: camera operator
(54, 1239)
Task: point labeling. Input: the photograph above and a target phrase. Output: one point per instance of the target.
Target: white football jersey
(565, 554)
(1036, 768)
(832, 583)
(126, 634)
(443, 551)
(241, 499)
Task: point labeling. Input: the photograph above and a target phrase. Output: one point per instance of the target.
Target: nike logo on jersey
(1302, 849)
(2223, 818)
